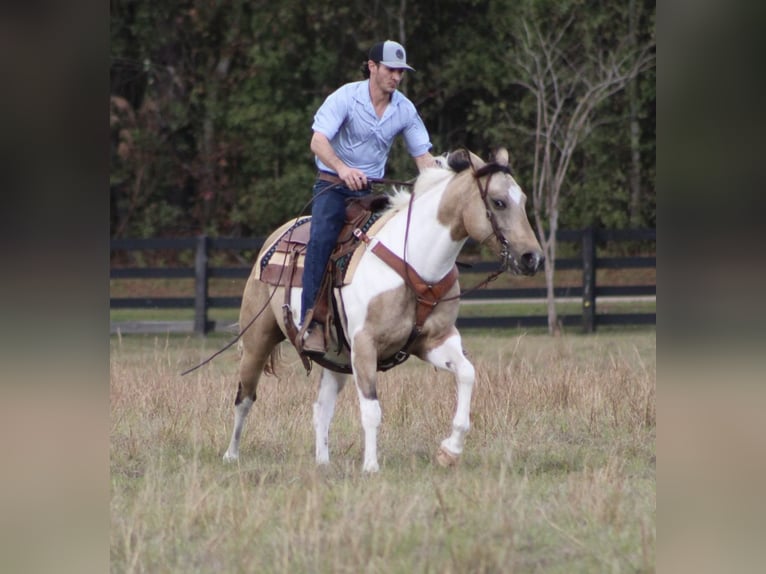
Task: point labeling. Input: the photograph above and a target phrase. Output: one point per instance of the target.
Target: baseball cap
(391, 54)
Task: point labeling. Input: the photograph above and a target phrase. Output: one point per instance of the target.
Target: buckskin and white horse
(380, 309)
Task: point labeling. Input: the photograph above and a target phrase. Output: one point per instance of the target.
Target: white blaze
(514, 191)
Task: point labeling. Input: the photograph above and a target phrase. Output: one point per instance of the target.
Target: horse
(381, 314)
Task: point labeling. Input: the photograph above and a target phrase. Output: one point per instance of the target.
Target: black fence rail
(202, 272)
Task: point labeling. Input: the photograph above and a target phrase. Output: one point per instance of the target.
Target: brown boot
(313, 341)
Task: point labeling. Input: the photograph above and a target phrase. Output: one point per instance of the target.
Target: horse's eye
(499, 203)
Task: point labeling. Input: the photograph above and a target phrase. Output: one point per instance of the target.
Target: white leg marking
(450, 356)
(330, 385)
(371, 416)
(240, 414)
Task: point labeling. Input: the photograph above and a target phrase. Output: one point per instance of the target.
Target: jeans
(328, 213)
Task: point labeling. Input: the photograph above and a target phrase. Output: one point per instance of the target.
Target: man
(353, 132)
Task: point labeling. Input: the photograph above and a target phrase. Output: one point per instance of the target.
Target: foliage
(212, 103)
(560, 65)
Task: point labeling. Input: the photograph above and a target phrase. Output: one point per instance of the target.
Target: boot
(312, 340)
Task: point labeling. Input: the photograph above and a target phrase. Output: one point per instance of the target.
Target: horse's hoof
(445, 458)
(229, 458)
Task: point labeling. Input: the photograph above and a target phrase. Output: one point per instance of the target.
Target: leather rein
(430, 294)
(488, 170)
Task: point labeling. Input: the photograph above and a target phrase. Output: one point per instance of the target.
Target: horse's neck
(431, 251)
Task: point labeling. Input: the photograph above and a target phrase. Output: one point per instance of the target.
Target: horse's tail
(270, 367)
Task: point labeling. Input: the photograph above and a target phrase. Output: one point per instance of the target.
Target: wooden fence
(587, 292)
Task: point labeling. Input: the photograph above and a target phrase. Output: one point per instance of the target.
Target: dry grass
(558, 474)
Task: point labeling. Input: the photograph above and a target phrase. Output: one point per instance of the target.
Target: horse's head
(494, 211)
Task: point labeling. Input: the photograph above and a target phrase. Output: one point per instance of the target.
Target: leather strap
(428, 294)
(330, 177)
(290, 327)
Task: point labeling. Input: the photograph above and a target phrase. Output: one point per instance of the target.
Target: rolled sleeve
(416, 135)
(331, 115)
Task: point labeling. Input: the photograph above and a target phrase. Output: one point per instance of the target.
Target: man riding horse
(353, 132)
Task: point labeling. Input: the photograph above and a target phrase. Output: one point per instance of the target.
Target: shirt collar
(363, 94)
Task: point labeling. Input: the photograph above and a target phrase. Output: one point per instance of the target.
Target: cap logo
(400, 54)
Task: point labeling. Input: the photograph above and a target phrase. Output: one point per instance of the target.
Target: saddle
(282, 265)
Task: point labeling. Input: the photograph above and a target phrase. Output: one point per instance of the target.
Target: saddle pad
(271, 266)
(357, 254)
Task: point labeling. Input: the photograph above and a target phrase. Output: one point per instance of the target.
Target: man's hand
(353, 178)
(425, 161)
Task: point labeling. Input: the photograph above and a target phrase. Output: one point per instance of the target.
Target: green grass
(558, 473)
(562, 308)
(483, 309)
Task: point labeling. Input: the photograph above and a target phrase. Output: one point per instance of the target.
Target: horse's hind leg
(250, 369)
(258, 343)
(449, 356)
(330, 384)
(364, 360)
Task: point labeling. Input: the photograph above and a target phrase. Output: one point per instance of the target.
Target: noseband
(488, 170)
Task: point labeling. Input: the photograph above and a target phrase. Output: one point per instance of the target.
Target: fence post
(588, 280)
(200, 286)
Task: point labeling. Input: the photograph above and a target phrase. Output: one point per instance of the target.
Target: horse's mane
(429, 179)
(399, 199)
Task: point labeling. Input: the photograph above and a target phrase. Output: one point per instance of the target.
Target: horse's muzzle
(531, 263)
(527, 264)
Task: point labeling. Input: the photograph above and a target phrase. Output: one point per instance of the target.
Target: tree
(212, 103)
(567, 83)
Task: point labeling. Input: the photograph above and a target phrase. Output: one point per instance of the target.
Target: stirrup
(311, 339)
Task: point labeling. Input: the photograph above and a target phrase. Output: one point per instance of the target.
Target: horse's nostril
(532, 261)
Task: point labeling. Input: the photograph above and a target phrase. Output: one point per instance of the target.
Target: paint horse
(380, 312)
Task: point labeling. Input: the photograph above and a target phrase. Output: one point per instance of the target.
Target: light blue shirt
(362, 140)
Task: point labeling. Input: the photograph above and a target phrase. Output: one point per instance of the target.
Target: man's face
(387, 79)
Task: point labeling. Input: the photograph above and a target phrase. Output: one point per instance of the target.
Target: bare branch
(568, 85)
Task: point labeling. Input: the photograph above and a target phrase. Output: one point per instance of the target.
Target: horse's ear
(459, 160)
(501, 157)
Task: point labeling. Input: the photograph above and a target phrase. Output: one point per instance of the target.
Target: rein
(436, 297)
(487, 169)
(429, 295)
(337, 182)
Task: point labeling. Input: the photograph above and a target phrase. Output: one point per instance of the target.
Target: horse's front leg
(364, 360)
(449, 356)
(330, 384)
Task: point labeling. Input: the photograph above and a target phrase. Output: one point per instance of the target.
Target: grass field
(558, 472)
(472, 309)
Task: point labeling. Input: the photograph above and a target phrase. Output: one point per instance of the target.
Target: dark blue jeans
(328, 212)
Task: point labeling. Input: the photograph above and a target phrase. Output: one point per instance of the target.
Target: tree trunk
(635, 159)
(549, 248)
(553, 318)
(209, 149)
(635, 131)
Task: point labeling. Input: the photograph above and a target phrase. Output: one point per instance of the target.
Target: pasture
(558, 472)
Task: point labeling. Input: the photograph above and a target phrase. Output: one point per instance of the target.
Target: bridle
(489, 170)
(506, 259)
